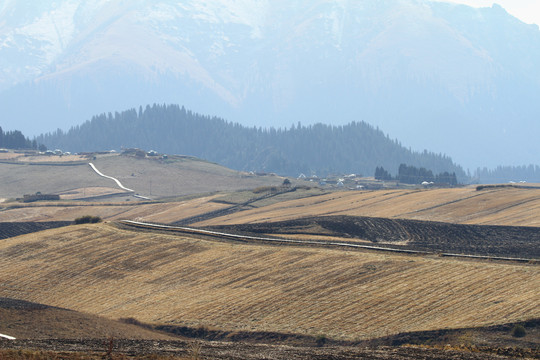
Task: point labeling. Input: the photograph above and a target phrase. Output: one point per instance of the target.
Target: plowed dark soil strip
(12, 229)
(422, 236)
(349, 245)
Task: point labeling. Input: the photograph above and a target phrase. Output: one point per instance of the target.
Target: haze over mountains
(437, 76)
(313, 150)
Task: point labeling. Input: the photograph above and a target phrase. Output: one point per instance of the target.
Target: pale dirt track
(165, 279)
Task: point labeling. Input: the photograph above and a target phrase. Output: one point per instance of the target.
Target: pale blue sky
(527, 11)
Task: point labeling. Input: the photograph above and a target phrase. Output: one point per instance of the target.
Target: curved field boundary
(221, 235)
(44, 163)
(430, 236)
(12, 229)
(229, 210)
(110, 177)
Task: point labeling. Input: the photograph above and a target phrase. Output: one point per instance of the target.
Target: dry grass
(53, 158)
(165, 279)
(159, 212)
(88, 192)
(72, 355)
(9, 156)
(34, 157)
(17, 180)
(149, 177)
(186, 176)
(507, 206)
(178, 176)
(46, 322)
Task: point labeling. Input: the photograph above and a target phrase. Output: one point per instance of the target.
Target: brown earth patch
(181, 350)
(437, 237)
(27, 320)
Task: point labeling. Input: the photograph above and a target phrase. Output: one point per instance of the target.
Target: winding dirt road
(110, 177)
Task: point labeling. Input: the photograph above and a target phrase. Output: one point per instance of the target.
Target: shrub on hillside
(88, 219)
(320, 340)
(518, 331)
(133, 321)
(264, 189)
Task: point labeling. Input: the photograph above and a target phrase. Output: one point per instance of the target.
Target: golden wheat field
(168, 279)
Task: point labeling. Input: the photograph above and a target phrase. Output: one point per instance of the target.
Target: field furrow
(178, 280)
(502, 206)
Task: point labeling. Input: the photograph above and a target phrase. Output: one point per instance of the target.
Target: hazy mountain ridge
(315, 149)
(426, 72)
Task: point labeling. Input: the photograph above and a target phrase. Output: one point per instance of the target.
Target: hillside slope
(495, 206)
(518, 242)
(152, 177)
(175, 280)
(26, 320)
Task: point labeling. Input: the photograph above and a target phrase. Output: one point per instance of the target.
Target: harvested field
(166, 212)
(177, 280)
(501, 206)
(491, 206)
(13, 229)
(438, 237)
(498, 206)
(91, 193)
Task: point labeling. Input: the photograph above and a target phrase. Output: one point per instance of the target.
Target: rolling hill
(320, 149)
(26, 320)
(178, 280)
(151, 176)
(492, 206)
(252, 291)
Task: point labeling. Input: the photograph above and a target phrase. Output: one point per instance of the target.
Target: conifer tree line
(412, 175)
(16, 140)
(504, 174)
(312, 150)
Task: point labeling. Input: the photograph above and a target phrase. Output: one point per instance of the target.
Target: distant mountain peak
(404, 65)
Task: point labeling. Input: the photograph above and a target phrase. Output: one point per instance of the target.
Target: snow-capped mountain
(445, 77)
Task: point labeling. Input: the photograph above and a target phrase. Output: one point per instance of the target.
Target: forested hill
(316, 149)
(16, 140)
